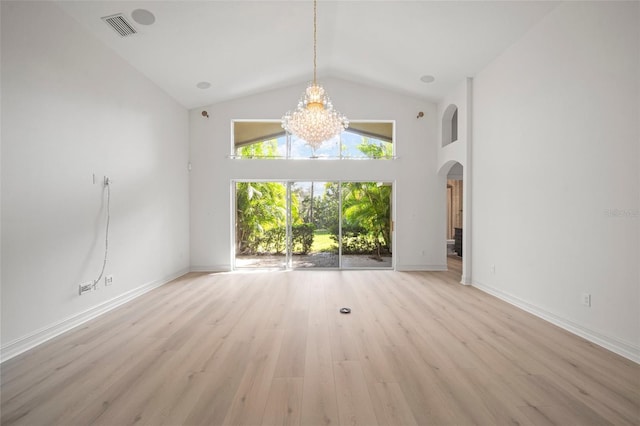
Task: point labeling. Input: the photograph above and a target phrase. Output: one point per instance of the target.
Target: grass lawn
(322, 241)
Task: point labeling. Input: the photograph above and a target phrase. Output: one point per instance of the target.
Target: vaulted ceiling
(246, 47)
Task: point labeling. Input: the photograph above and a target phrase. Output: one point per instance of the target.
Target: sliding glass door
(261, 224)
(366, 225)
(315, 208)
(305, 224)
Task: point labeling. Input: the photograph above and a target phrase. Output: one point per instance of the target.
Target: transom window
(268, 140)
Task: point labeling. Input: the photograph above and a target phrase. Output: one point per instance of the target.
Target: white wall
(555, 172)
(414, 171)
(72, 108)
(457, 152)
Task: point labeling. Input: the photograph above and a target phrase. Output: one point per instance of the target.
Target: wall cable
(107, 183)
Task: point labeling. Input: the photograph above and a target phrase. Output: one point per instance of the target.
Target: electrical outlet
(493, 269)
(586, 299)
(85, 287)
(108, 280)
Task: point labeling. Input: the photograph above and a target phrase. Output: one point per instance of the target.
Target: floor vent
(120, 24)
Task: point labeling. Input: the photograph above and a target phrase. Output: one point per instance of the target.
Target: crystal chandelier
(314, 119)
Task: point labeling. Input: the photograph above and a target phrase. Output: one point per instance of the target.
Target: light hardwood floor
(272, 349)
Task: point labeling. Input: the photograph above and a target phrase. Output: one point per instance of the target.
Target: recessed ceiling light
(203, 85)
(143, 17)
(427, 79)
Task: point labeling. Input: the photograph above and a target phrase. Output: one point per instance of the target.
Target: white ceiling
(247, 47)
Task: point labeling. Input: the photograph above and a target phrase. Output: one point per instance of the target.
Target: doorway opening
(313, 224)
(455, 228)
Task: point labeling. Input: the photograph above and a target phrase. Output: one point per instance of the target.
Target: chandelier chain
(315, 38)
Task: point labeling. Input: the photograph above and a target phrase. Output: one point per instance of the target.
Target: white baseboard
(40, 336)
(622, 348)
(418, 268)
(211, 268)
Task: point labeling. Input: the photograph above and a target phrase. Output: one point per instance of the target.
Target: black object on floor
(345, 310)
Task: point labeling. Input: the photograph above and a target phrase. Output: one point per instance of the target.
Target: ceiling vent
(120, 25)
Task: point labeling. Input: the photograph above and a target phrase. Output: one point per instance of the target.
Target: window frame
(289, 139)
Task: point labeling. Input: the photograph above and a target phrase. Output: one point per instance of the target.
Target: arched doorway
(453, 174)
